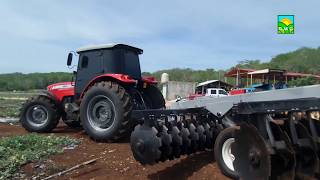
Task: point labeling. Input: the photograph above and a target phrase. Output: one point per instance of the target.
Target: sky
(36, 35)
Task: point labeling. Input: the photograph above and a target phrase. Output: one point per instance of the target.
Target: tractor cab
(112, 60)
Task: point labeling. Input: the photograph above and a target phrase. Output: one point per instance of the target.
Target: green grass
(10, 102)
(10, 107)
(19, 150)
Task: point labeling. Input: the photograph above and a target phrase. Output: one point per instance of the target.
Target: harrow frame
(268, 120)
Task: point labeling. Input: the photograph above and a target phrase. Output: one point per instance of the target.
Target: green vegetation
(303, 82)
(18, 150)
(10, 103)
(23, 82)
(304, 60)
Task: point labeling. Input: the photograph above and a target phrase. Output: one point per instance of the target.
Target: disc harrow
(278, 144)
(275, 139)
(172, 134)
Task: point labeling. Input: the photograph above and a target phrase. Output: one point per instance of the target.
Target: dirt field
(116, 161)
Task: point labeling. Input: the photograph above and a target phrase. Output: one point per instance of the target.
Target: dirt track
(116, 161)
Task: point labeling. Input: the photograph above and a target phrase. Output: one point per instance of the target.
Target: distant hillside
(304, 60)
(22, 82)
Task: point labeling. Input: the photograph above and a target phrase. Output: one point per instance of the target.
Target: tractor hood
(61, 86)
(61, 90)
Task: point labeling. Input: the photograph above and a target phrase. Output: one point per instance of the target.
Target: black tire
(225, 136)
(153, 97)
(116, 107)
(43, 107)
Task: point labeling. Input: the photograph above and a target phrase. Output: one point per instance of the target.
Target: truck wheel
(222, 152)
(39, 114)
(104, 111)
(153, 97)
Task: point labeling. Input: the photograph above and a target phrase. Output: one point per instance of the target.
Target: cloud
(207, 34)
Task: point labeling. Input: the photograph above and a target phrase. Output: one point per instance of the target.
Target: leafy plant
(18, 150)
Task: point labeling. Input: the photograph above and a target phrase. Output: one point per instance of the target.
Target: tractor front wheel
(104, 111)
(39, 114)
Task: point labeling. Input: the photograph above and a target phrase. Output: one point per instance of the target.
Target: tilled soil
(115, 161)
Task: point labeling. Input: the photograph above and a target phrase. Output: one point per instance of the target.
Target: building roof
(243, 72)
(267, 71)
(212, 81)
(246, 73)
(295, 74)
(107, 46)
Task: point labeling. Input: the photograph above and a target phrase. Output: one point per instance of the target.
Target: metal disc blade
(185, 134)
(252, 158)
(145, 144)
(194, 136)
(202, 137)
(209, 136)
(176, 141)
(307, 159)
(283, 162)
(166, 140)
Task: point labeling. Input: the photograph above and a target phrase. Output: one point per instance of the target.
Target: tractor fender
(49, 95)
(122, 79)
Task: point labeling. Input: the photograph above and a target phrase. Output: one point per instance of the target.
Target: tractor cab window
(84, 62)
(132, 64)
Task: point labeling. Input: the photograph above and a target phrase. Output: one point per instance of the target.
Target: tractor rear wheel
(223, 154)
(39, 114)
(153, 97)
(104, 111)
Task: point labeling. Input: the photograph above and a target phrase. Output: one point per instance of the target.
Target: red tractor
(108, 86)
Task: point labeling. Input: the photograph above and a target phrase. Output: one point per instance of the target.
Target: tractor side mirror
(69, 61)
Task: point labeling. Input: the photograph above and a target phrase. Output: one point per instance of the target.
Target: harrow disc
(283, 160)
(202, 137)
(209, 136)
(166, 140)
(176, 142)
(307, 164)
(185, 134)
(252, 156)
(145, 144)
(194, 138)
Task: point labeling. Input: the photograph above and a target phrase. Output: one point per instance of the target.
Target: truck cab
(216, 92)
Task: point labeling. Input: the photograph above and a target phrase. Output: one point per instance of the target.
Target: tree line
(304, 60)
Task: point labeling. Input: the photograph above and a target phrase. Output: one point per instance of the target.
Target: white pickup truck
(216, 92)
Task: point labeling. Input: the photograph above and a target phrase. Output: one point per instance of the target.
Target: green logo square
(285, 24)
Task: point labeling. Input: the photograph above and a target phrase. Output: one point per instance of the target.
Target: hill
(304, 60)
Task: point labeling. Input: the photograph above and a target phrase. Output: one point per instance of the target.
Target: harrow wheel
(223, 152)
